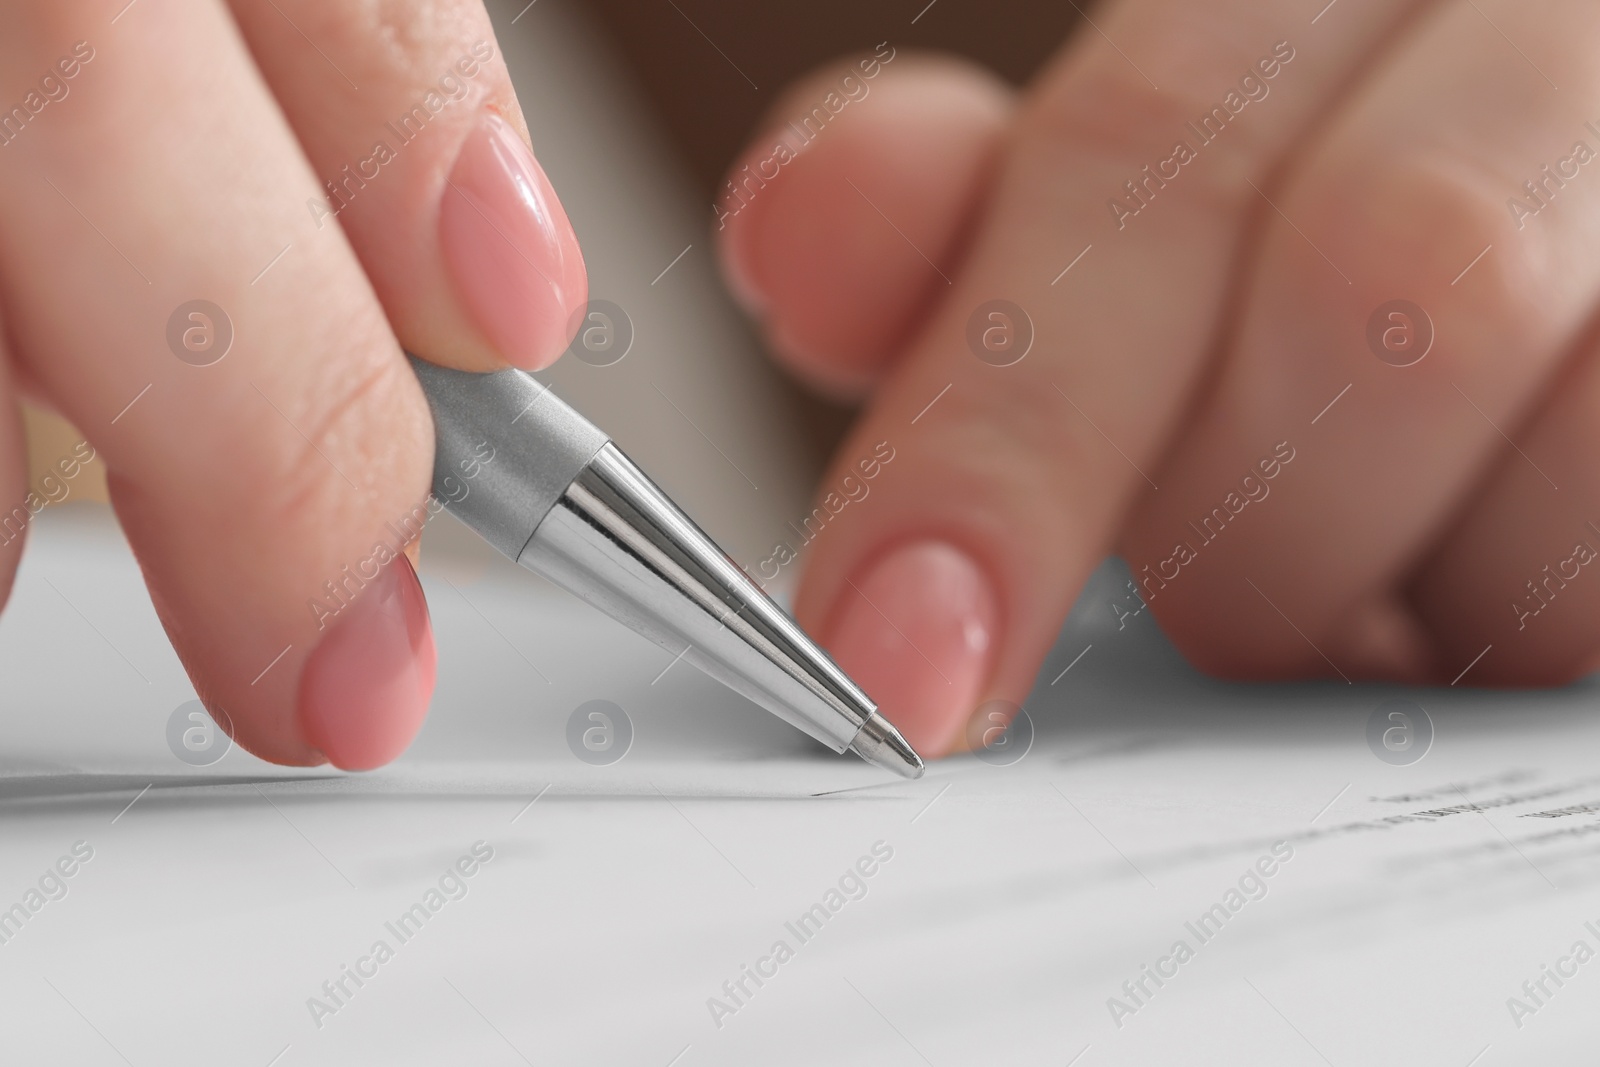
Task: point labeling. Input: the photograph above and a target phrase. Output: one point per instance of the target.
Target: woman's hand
(219, 226)
(1309, 296)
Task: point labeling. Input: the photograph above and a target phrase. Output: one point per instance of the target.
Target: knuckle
(399, 45)
(338, 457)
(1148, 142)
(1027, 451)
(1407, 231)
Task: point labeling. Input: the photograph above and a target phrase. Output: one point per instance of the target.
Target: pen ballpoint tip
(881, 745)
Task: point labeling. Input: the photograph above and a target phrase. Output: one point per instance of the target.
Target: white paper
(1017, 901)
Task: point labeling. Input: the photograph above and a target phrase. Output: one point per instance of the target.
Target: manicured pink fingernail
(365, 687)
(916, 631)
(510, 248)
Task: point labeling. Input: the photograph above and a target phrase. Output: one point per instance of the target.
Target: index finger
(1120, 213)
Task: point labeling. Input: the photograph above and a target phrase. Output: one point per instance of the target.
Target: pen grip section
(506, 448)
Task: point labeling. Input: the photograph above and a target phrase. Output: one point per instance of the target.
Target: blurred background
(709, 109)
(669, 91)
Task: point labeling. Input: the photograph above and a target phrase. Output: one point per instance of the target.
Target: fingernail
(734, 254)
(739, 209)
(510, 249)
(916, 630)
(365, 687)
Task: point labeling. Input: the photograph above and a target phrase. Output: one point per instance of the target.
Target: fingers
(408, 117)
(1009, 481)
(17, 498)
(1297, 561)
(265, 482)
(1509, 596)
(827, 217)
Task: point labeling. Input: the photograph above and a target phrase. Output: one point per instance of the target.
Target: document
(593, 854)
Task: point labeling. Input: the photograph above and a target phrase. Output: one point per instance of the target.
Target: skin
(1187, 344)
(1213, 326)
(182, 161)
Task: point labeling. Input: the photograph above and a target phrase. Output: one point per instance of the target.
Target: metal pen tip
(565, 502)
(881, 745)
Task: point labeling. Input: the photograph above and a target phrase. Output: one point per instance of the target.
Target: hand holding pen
(1288, 309)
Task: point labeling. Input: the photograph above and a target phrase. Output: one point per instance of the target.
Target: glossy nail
(916, 630)
(509, 247)
(365, 687)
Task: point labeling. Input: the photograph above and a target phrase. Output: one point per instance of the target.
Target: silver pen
(563, 501)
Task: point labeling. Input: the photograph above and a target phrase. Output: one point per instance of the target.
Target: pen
(563, 501)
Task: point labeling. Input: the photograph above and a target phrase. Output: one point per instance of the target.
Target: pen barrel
(547, 488)
(507, 448)
(617, 541)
